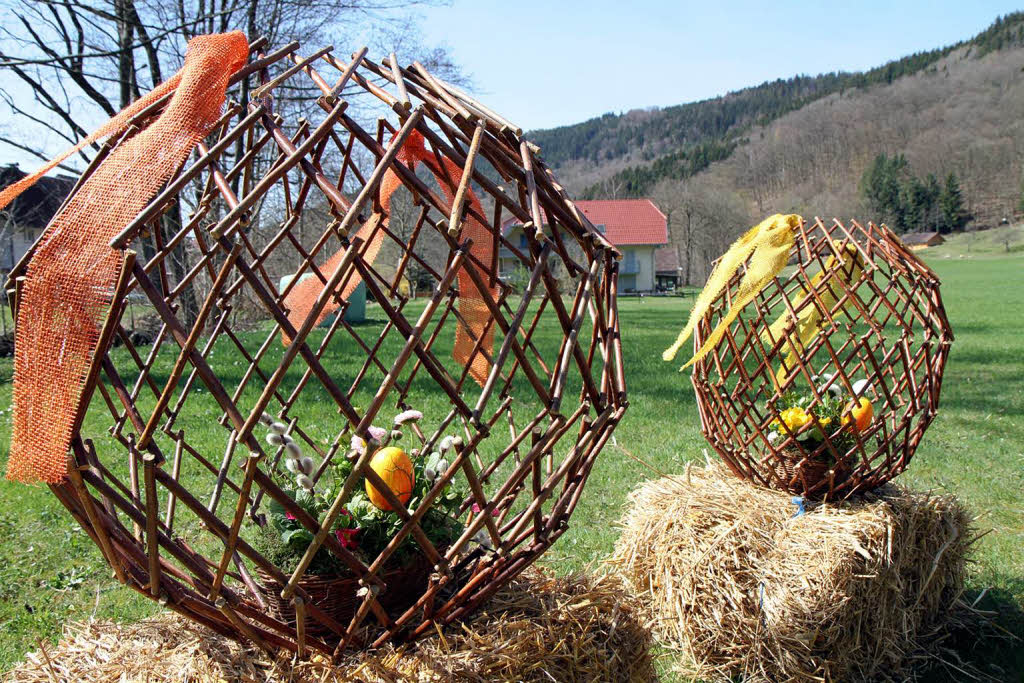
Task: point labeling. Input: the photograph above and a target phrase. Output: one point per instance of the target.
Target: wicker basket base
(336, 595)
(807, 476)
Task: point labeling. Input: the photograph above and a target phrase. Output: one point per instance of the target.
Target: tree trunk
(180, 265)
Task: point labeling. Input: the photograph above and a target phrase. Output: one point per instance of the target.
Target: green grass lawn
(50, 572)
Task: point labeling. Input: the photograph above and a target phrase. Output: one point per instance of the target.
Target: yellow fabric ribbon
(767, 245)
(808, 315)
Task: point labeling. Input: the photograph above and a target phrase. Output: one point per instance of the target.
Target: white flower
(306, 464)
(442, 466)
(275, 439)
(358, 444)
(860, 387)
(429, 473)
(408, 416)
(446, 443)
(304, 481)
(294, 466)
(278, 427)
(378, 434)
(267, 419)
(773, 436)
(292, 449)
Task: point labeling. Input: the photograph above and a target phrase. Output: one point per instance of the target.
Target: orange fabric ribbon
(70, 279)
(472, 308)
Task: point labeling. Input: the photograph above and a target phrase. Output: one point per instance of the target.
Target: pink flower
(347, 538)
(476, 510)
(290, 516)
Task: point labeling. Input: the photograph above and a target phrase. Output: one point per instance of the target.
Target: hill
(961, 116)
(628, 154)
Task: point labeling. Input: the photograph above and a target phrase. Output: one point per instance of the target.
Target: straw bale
(537, 628)
(747, 589)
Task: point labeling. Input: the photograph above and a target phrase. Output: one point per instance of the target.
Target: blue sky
(544, 64)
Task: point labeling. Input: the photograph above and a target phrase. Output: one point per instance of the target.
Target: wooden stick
(403, 93)
(455, 221)
(75, 475)
(152, 519)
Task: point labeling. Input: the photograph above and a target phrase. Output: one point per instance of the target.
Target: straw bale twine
(851, 591)
(537, 628)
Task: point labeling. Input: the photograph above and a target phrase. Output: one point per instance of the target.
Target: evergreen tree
(881, 186)
(915, 205)
(933, 210)
(951, 206)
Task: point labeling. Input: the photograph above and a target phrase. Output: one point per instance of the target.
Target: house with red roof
(636, 226)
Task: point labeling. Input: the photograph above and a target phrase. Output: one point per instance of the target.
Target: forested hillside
(963, 116)
(628, 154)
(934, 141)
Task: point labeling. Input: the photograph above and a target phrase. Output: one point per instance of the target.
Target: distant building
(636, 226)
(922, 240)
(23, 220)
(667, 272)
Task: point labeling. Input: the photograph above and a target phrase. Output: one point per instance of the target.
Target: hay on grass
(538, 628)
(851, 591)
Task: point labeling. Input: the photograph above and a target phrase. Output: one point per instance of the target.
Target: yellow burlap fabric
(767, 245)
(766, 248)
(838, 275)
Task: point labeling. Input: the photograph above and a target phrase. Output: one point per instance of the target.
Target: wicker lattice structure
(171, 465)
(886, 326)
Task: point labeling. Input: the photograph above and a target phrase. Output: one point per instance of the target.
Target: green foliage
(637, 181)
(1005, 32)
(284, 541)
(518, 278)
(951, 206)
(361, 527)
(829, 414)
(881, 186)
(909, 204)
(377, 527)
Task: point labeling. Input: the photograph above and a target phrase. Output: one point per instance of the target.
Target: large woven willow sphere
(880, 335)
(321, 265)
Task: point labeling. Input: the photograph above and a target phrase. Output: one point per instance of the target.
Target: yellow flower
(794, 418)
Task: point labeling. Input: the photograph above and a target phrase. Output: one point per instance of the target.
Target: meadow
(50, 572)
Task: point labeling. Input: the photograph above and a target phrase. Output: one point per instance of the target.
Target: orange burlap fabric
(69, 282)
(472, 308)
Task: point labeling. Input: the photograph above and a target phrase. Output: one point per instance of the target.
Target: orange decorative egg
(394, 467)
(860, 414)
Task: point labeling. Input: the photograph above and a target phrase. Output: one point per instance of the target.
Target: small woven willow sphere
(182, 450)
(887, 328)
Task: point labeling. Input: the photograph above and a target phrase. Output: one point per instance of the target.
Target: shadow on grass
(989, 644)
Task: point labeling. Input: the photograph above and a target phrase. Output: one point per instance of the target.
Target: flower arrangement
(803, 421)
(367, 523)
